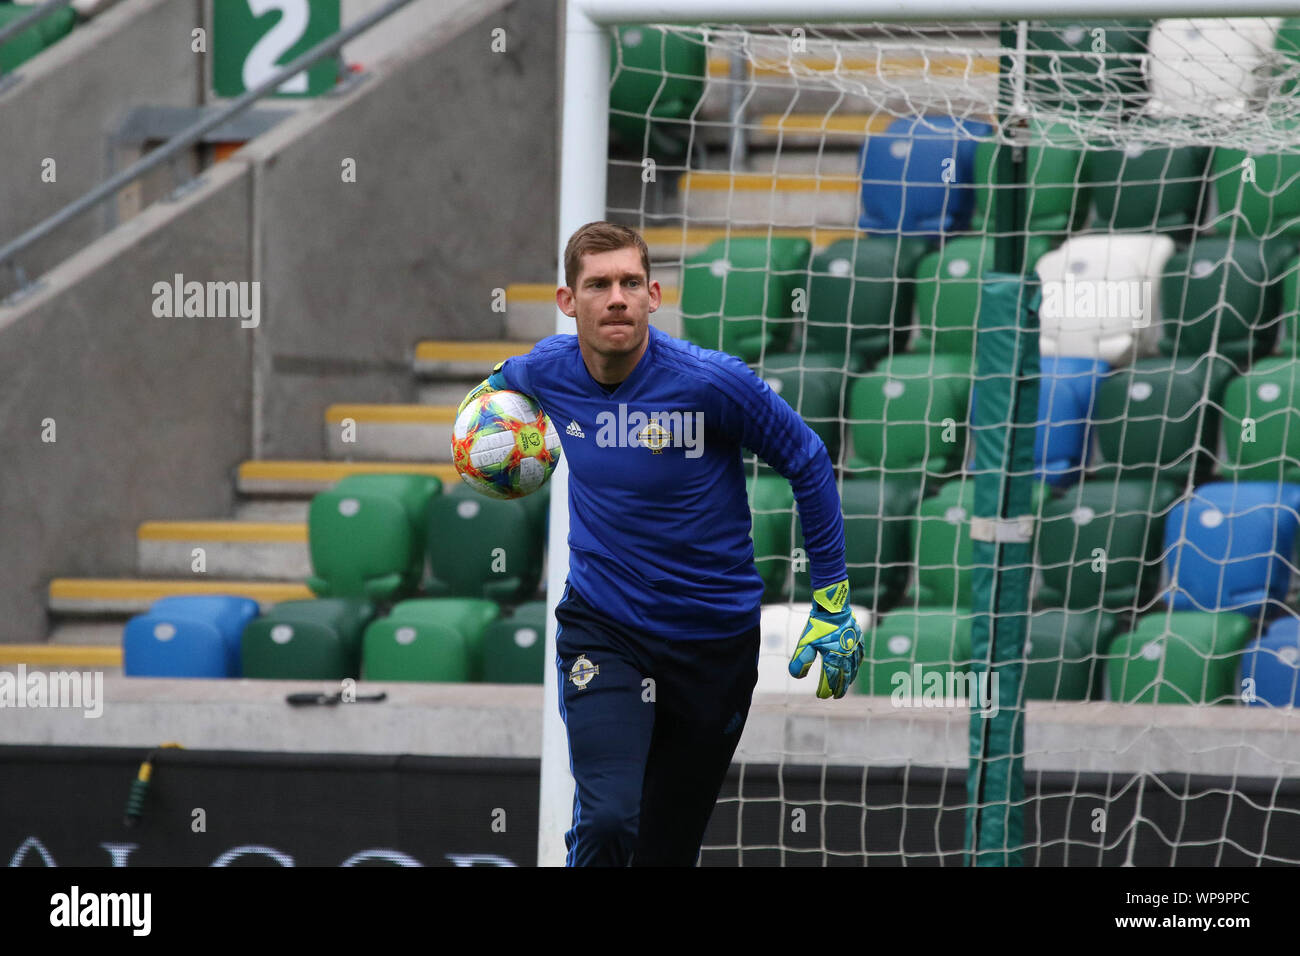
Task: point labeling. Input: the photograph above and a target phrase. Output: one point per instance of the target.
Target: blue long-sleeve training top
(659, 516)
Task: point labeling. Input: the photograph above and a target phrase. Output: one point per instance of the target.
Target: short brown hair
(601, 236)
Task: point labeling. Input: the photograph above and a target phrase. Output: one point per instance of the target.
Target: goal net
(1035, 286)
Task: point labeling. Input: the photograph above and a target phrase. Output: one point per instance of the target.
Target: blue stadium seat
(1066, 395)
(187, 636)
(1067, 392)
(1273, 663)
(1228, 548)
(918, 177)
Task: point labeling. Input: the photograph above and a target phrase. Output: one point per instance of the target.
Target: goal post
(1006, 355)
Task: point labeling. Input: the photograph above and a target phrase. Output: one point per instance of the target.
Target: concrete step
(122, 597)
(757, 200)
(101, 658)
(390, 432)
(305, 478)
(80, 633)
(251, 550)
(463, 361)
(531, 308)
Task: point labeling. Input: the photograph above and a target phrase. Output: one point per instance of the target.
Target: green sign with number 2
(254, 38)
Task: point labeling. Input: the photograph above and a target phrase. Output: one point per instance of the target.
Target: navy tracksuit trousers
(652, 727)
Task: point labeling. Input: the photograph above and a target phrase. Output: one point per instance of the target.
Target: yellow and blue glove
(833, 632)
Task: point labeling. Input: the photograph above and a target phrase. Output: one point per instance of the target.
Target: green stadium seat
(816, 394)
(941, 543)
(1256, 192)
(1261, 423)
(860, 294)
(1179, 657)
(1147, 189)
(481, 547)
(514, 648)
(1289, 311)
(771, 503)
(1223, 292)
(1124, 521)
(1056, 198)
(366, 535)
(1070, 80)
(34, 39)
(922, 646)
(948, 287)
(1062, 660)
(907, 418)
(738, 294)
(878, 516)
(1152, 421)
(307, 640)
(657, 82)
(1288, 44)
(416, 643)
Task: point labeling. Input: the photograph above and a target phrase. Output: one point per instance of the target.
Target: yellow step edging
(860, 123)
(295, 532)
(384, 414)
(143, 589)
(706, 236)
(68, 655)
(769, 182)
(489, 352)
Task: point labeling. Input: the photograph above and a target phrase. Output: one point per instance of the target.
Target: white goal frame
(584, 152)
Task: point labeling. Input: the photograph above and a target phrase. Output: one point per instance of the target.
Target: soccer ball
(503, 445)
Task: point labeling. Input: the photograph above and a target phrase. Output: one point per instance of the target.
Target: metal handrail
(193, 133)
(35, 16)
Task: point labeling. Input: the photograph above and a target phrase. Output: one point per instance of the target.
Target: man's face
(611, 301)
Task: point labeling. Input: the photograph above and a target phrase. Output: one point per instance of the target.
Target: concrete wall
(65, 103)
(455, 196)
(151, 414)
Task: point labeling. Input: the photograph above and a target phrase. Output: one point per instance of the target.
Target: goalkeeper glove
(833, 632)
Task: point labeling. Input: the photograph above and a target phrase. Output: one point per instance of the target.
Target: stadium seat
(514, 647)
(1099, 544)
(1271, 664)
(21, 48)
(1261, 423)
(907, 418)
(657, 82)
(781, 626)
(428, 640)
(918, 176)
(1178, 657)
(1287, 43)
(771, 503)
(187, 636)
(482, 547)
(1065, 73)
(1056, 198)
(1230, 546)
(1256, 190)
(738, 294)
(1147, 188)
(307, 640)
(1067, 394)
(860, 294)
(1207, 66)
(1222, 295)
(1101, 296)
(1289, 311)
(1062, 660)
(366, 535)
(1159, 418)
(878, 516)
(949, 282)
(816, 394)
(941, 542)
(914, 650)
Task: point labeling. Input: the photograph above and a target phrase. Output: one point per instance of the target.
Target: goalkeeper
(657, 635)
